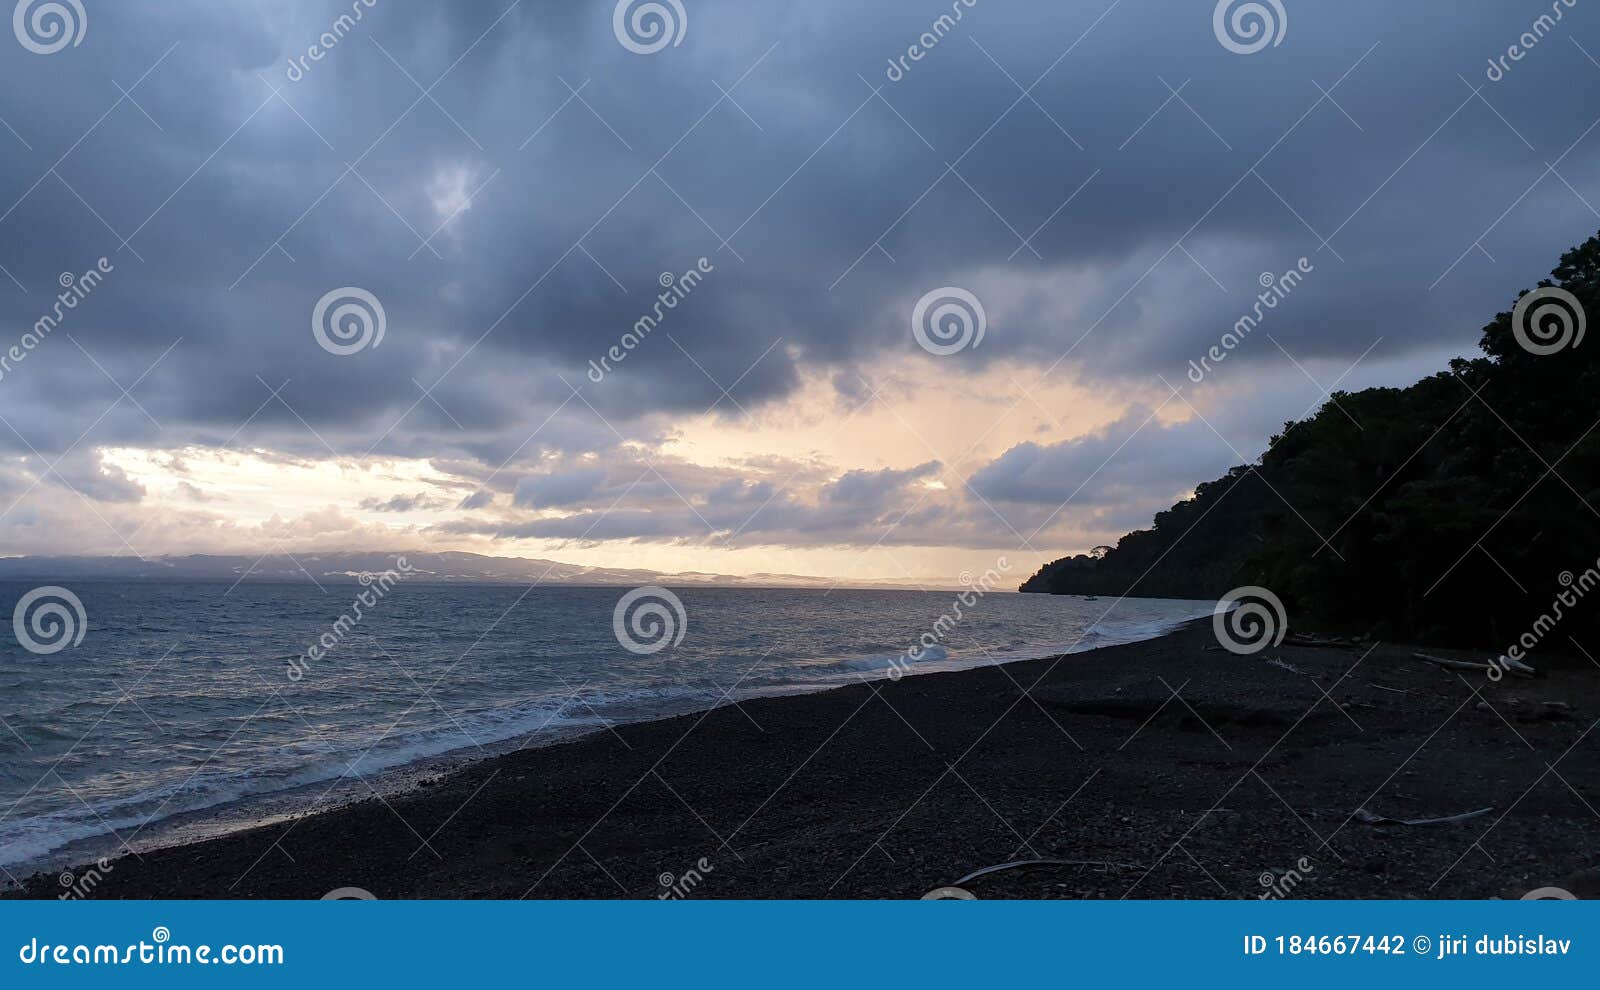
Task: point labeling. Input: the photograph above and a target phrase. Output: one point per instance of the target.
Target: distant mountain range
(450, 567)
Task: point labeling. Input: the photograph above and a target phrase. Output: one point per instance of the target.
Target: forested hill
(1457, 512)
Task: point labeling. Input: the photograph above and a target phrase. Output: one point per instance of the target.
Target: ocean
(186, 710)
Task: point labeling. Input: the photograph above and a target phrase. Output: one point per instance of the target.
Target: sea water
(177, 716)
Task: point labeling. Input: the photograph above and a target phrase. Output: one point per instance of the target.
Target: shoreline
(329, 785)
(1246, 774)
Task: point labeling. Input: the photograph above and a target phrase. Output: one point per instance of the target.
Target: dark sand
(892, 789)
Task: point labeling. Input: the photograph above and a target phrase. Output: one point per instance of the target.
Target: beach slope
(1161, 769)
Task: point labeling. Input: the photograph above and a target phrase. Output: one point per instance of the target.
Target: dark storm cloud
(1163, 459)
(1091, 217)
(553, 490)
(871, 489)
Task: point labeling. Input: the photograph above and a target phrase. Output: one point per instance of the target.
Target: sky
(923, 283)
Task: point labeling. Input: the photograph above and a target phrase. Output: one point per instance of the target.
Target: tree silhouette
(1454, 512)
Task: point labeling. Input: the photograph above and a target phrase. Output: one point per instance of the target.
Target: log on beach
(1506, 664)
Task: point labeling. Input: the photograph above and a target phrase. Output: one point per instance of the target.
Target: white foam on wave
(31, 840)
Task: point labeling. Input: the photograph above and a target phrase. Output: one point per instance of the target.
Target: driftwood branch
(1018, 864)
(1282, 664)
(1392, 690)
(1367, 817)
(1503, 663)
(1323, 642)
(1516, 667)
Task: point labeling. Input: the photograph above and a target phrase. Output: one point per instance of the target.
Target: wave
(31, 840)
